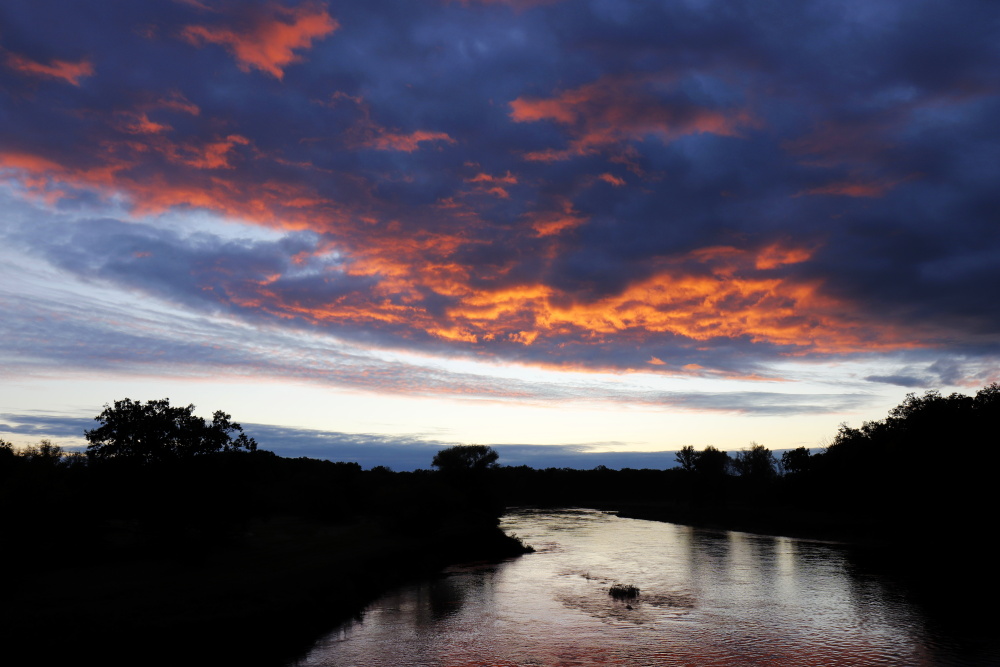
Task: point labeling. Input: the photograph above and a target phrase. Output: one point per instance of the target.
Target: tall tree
(686, 458)
(155, 431)
(795, 460)
(712, 462)
(756, 463)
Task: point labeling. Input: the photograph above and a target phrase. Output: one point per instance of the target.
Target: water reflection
(708, 598)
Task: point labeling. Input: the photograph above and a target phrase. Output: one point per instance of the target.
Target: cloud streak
(70, 72)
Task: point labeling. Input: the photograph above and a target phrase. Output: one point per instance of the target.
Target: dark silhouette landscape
(173, 538)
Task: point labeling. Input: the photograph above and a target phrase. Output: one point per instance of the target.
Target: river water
(706, 598)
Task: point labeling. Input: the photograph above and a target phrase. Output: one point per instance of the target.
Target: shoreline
(262, 604)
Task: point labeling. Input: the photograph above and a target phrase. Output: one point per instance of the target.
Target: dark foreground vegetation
(177, 540)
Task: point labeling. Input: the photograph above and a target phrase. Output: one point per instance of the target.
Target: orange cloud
(391, 141)
(51, 181)
(415, 286)
(367, 133)
(714, 302)
(176, 102)
(69, 72)
(269, 41)
(493, 185)
(852, 189)
(712, 293)
(612, 110)
(138, 122)
(708, 294)
(32, 164)
(212, 155)
(562, 109)
(612, 179)
(284, 205)
(550, 223)
(506, 179)
(524, 337)
(777, 255)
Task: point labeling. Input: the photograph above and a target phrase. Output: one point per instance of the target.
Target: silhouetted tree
(44, 454)
(712, 462)
(465, 458)
(756, 463)
(686, 458)
(795, 460)
(987, 399)
(8, 457)
(155, 431)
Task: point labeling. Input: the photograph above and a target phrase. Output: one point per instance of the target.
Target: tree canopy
(155, 431)
(686, 458)
(756, 463)
(465, 458)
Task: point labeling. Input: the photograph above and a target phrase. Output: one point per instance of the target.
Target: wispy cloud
(268, 37)
(68, 71)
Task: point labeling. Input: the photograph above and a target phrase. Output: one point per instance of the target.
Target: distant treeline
(930, 459)
(930, 462)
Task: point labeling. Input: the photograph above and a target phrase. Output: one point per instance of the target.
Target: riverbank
(241, 558)
(260, 601)
(784, 522)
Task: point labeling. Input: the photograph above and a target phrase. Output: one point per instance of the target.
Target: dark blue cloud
(899, 380)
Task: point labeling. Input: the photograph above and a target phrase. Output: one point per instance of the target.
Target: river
(706, 598)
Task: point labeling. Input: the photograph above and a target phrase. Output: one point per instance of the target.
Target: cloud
(613, 110)
(517, 4)
(685, 184)
(142, 309)
(268, 37)
(898, 380)
(366, 132)
(41, 425)
(70, 72)
(850, 189)
(970, 370)
(406, 142)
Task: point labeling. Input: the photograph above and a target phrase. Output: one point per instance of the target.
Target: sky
(585, 232)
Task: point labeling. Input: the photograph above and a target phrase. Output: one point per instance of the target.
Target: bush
(624, 591)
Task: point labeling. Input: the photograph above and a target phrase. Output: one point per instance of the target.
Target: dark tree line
(930, 459)
(156, 476)
(929, 462)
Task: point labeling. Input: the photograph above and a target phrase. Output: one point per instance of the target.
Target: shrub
(624, 591)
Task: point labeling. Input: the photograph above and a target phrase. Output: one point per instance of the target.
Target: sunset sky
(610, 227)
